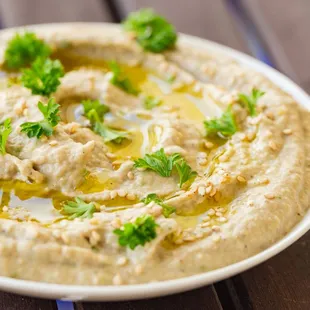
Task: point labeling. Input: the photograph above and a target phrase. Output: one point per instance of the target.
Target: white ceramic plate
(117, 293)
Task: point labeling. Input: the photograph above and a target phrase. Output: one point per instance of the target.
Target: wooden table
(276, 31)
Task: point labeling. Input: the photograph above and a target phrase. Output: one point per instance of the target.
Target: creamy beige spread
(250, 189)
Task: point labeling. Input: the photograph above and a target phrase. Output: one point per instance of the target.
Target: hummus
(249, 189)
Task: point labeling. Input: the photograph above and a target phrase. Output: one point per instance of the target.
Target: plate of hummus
(138, 162)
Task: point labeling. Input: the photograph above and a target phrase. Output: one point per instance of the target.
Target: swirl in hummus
(137, 165)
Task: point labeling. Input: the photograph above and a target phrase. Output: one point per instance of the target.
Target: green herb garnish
(44, 127)
(120, 81)
(153, 32)
(250, 101)
(167, 210)
(23, 49)
(109, 134)
(94, 110)
(79, 208)
(151, 102)
(185, 171)
(43, 76)
(143, 230)
(224, 126)
(163, 165)
(158, 162)
(5, 130)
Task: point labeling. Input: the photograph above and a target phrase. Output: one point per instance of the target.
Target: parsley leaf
(23, 49)
(120, 81)
(143, 230)
(79, 208)
(223, 126)
(158, 162)
(250, 101)
(167, 210)
(44, 127)
(94, 110)
(151, 102)
(43, 76)
(109, 134)
(185, 171)
(5, 130)
(153, 32)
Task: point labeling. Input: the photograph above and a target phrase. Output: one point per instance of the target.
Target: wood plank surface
(19, 12)
(10, 301)
(284, 25)
(203, 18)
(203, 298)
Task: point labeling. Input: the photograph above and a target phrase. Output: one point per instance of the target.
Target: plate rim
(163, 288)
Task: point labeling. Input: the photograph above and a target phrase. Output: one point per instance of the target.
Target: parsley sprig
(185, 171)
(43, 76)
(224, 126)
(153, 32)
(163, 165)
(167, 210)
(143, 230)
(5, 130)
(78, 208)
(151, 102)
(119, 80)
(23, 49)
(44, 127)
(250, 101)
(95, 111)
(158, 162)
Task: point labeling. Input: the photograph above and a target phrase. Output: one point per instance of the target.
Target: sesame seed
(113, 194)
(213, 192)
(211, 212)
(122, 261)
(203, 225)
(219, 214)
(53, 143)
(130, 175)
(110, 155)
(208, 145)
(5, 209)
(272, 146)
(208, 189)
(216, 228)
(202, 161)
(106, 196)
(189, 238)
(269, 196)
(287, 131)
(201, 190)
(122, 193)
(222, 219)
(131, 196)
(241, 179)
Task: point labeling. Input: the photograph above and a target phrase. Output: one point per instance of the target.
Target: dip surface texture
(88, 205)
